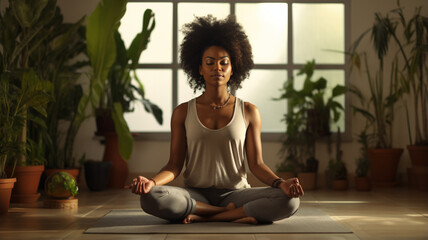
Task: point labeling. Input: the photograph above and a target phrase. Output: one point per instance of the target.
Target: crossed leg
(208, 213)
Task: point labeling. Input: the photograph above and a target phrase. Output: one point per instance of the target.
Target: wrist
(153, 180)
(277, 182)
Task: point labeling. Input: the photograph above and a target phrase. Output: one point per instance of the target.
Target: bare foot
(230, 206)
(247, 220)
(191, 218)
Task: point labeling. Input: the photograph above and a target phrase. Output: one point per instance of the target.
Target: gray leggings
(265, 204)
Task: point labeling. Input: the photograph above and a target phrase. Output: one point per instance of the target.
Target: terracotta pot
(418, 155)
(384, 164)
(286, 175)
(6, 186)
(119, 169)
(308, 180)
(340, 185)
(27, 183)
(363, 184)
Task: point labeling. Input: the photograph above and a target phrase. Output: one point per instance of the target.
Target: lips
(217, 75)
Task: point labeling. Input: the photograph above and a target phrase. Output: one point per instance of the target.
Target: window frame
(290, 66)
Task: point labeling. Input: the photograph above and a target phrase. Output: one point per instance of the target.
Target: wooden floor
(398, 213)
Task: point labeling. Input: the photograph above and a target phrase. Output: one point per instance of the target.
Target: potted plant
(304, 106)
(413, 52)
(23, 28)
(338, 168)
(58, 58)
(362, 180)
(111, 90)
(378, 110)
(10, 126)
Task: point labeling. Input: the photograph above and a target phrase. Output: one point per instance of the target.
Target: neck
(216, 96)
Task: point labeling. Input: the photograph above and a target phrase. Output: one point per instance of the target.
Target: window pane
(266, 27)
(185, 93)
(333, 77)
(259, 89)
(315, 37)
(188, 11)
(158, 88)
(159, 49)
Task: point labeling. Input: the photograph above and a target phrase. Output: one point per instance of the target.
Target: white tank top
(216, 158)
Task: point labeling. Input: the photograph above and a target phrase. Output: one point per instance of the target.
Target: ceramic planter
(384, 164)
(97, 174)
(27, 183)
(6, 186)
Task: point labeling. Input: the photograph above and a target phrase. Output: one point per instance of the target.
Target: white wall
(149, 156)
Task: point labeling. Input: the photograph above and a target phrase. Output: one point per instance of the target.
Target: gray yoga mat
(306, 220)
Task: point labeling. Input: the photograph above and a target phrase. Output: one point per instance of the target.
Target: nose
(218, 67)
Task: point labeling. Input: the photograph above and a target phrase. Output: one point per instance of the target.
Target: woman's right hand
(141, 185)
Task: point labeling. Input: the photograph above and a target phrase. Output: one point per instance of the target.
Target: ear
(200, 69)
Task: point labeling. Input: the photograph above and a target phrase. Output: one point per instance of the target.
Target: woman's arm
(178, 150)
(253, 146)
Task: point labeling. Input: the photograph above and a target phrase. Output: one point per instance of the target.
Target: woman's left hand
(292, 188)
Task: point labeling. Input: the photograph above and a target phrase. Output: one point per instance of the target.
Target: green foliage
(363, 163)
(408, 74)
(303, 105)
(38, 43)
(112, 64)
(59, 182)
(338, 167)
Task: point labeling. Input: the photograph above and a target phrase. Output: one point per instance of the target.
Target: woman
(213, 135)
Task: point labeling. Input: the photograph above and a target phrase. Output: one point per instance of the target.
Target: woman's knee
(153, 201)
(160, 202)
(274, 209)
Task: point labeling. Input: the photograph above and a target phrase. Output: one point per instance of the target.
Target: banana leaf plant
(111, 85)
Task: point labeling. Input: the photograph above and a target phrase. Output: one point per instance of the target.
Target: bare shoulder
(251, 112)
(180, 112)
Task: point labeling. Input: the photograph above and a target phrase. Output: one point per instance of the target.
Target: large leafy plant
(23, 29)
(111, 85)
(407, 72)
(299, 143)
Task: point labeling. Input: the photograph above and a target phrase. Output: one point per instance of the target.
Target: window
(284, 36)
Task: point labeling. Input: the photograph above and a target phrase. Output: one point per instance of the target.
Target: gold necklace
(215, 107)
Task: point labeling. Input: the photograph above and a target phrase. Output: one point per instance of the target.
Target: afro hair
(205, 32)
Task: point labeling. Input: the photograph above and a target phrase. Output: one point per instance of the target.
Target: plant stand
(6, 185)
(71, 203)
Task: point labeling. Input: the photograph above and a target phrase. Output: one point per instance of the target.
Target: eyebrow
(220, 57)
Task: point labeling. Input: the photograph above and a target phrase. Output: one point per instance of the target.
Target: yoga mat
(306, 220)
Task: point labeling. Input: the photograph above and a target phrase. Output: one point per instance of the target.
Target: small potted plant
(338, 168)
(362, 180)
